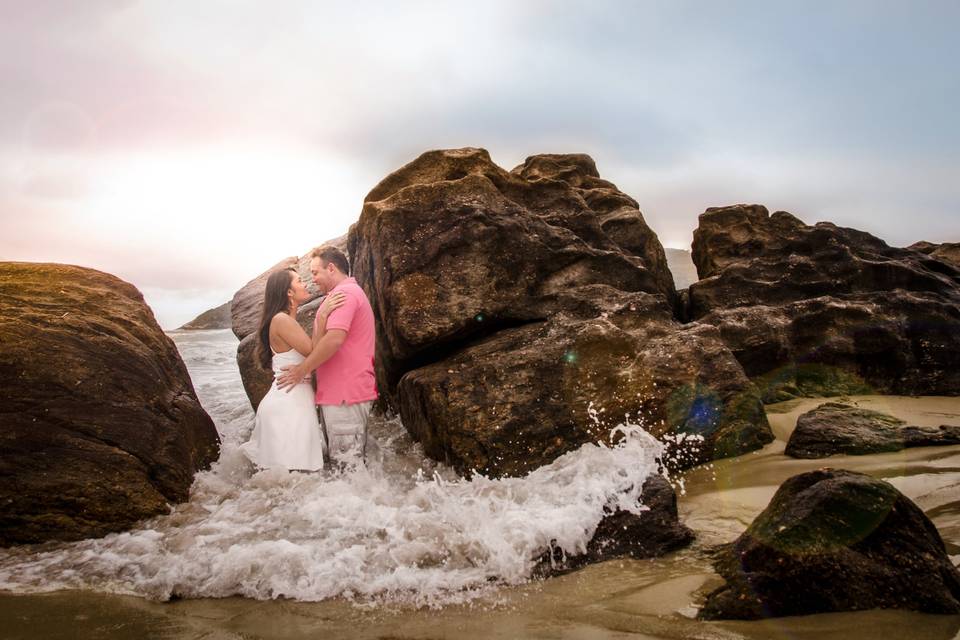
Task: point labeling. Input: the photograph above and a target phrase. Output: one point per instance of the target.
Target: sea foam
(403, 529)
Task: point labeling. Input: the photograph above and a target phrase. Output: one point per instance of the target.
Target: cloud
(207, 217)
(897, 206)
(81, 84)
(54, 185)
(161, 139)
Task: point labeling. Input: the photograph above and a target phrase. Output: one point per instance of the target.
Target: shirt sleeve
(342, 318)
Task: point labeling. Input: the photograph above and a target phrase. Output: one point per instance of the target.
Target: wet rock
(217, 318)
(247, 305)
(101, 426)
(835, 540)
(824, 310)
(508, 302)
(652, 533)
(835, 428)
(524, 396)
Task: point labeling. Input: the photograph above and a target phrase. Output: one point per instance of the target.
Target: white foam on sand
(403, 529)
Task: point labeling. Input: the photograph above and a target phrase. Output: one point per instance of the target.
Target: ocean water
(403, 529)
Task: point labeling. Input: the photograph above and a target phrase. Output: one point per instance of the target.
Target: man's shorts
(345, 426)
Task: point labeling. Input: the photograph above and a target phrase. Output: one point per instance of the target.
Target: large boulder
(834, 428)
(521, 314)
(524, 396)
(246, 307)
(101, 426)
(824, 310)
(835, 540)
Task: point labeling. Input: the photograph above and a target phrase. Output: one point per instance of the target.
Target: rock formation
(523, 313)
(946, 252)
(246, 306)
(834, 540)
(650, 534)
(99, 421)
(217, 318)
(824, 310)
(840, 428)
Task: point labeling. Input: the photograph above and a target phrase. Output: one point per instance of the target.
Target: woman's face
(298, 291)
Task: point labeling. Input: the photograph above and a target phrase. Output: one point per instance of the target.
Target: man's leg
(323, 432)
(346, 427)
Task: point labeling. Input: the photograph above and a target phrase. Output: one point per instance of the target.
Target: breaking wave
(403, 529)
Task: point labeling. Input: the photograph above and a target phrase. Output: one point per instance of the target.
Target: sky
(188, 145)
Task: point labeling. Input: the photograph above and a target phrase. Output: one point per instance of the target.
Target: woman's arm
(290, 331)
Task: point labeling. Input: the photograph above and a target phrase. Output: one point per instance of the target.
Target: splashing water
(404, 529)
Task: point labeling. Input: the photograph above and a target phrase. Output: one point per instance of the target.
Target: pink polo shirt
(347, 377)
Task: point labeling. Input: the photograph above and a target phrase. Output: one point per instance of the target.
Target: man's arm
(326, 347)
(319, 330)
(331, 302)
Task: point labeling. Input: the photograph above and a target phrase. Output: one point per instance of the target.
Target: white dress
(287, 432)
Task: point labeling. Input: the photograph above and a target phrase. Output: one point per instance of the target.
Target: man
(342, 356)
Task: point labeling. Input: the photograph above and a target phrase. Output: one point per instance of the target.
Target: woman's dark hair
(275, 301)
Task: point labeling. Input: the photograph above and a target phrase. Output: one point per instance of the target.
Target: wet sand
(617, 599)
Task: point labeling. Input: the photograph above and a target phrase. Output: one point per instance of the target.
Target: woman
(287, 432)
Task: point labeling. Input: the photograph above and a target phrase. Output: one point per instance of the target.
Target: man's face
(321, 275)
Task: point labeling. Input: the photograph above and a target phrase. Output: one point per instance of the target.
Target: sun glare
(256, 206)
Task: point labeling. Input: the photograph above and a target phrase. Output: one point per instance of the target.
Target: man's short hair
(330, 254)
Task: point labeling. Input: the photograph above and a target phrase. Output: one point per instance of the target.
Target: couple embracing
(287, 433)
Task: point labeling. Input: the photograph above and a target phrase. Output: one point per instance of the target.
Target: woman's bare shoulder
(282, 319)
